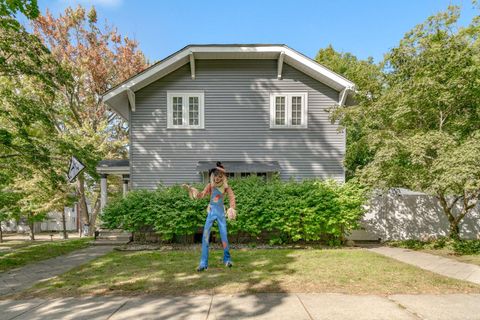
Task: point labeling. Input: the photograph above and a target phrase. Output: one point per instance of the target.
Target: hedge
(289, 211)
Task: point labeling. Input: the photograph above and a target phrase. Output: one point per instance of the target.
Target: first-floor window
(288, 110)
(185, 110)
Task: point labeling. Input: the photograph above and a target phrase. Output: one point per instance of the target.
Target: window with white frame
(288, 110)
(185, 110)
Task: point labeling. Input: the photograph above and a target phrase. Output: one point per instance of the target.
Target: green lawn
(448, 253)
(15, 254)
(354, 271)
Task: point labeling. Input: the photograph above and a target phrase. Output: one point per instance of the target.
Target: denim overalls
(216, 212)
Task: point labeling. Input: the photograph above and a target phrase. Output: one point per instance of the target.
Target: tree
(32, 145)
(424, 127)
(98, 59)
(8, 201)
(9, 8)
(367, 77)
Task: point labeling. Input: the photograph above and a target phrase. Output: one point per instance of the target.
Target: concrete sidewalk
(444, 266)
(16, 280)
(260, 306)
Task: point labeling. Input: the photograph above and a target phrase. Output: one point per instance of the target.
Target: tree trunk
(447, 209)
(64, 225)
(82, 202)
(1, 232)
(93, 217)
(31, 225)
(454, 231)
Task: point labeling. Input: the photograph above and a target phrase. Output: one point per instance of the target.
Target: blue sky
(364, 28)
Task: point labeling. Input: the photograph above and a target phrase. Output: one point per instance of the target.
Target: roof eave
(117, 97)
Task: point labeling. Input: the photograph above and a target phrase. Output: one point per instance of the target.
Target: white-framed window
(185, 110)
(289, 110)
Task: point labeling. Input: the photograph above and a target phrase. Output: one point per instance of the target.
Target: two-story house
(259, 109)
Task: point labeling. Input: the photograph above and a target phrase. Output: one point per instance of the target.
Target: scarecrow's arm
(194, 194)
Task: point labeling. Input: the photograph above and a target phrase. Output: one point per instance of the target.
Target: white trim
(192, 65)
(343, 97)
(131, 99)
(113, 170)
(290, 56)
(185, 95)
(280, 65)
(288, 110)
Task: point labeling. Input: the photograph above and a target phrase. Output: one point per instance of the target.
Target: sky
(366, 28)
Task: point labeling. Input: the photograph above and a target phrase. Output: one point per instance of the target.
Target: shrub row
(461, 247)
(288, 211)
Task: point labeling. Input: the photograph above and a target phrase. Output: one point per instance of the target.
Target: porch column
(126, 179)
(103, 191)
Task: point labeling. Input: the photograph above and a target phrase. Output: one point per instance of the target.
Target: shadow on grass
(157, 275)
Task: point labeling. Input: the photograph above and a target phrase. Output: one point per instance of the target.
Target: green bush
(463, 247)
(460, 247)
(286, 211)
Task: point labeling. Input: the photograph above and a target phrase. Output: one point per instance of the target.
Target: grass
(467, 251)
(14, 254)
(353, 271)
(449, 253)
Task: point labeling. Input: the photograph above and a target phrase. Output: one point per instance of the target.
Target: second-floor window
(185, 110)
(288, 110)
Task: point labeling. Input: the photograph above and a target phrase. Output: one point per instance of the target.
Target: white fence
(411, 215)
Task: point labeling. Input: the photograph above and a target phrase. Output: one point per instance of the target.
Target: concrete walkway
(260, 306)
(444, 266)
(16, 280)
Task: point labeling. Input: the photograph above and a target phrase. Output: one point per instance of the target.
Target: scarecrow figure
(217, 188)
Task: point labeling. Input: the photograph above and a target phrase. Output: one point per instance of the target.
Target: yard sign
(75, 168)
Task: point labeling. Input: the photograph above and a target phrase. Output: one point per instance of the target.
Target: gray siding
(237, 124)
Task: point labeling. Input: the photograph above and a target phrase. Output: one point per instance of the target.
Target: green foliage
(287, 211)
(368, 79)
(9, 8)
(460, 247)
(464, 247)
(421, 129)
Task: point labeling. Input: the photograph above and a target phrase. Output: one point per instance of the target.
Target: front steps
(115, 237)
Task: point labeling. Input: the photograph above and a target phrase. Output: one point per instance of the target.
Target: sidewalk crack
(209, 308)
(36, 307)
(416, 315)
(116, 310)
(305, 308)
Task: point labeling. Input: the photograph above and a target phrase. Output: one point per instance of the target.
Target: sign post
(74, 170)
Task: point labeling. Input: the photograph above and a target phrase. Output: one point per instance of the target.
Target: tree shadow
(417, 216)
(167, 283)
(237, 124)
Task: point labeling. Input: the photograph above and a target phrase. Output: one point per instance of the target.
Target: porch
(113, 167)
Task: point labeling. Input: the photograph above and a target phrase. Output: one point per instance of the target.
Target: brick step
(115, 232)
(104, 242)
(101, 233)
(114, 237)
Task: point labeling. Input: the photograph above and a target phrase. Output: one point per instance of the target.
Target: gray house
(259, 109)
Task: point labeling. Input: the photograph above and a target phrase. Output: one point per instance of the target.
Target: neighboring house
(259, 109)
(53, 222)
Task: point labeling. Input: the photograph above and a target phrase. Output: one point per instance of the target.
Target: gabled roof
(122, 96)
